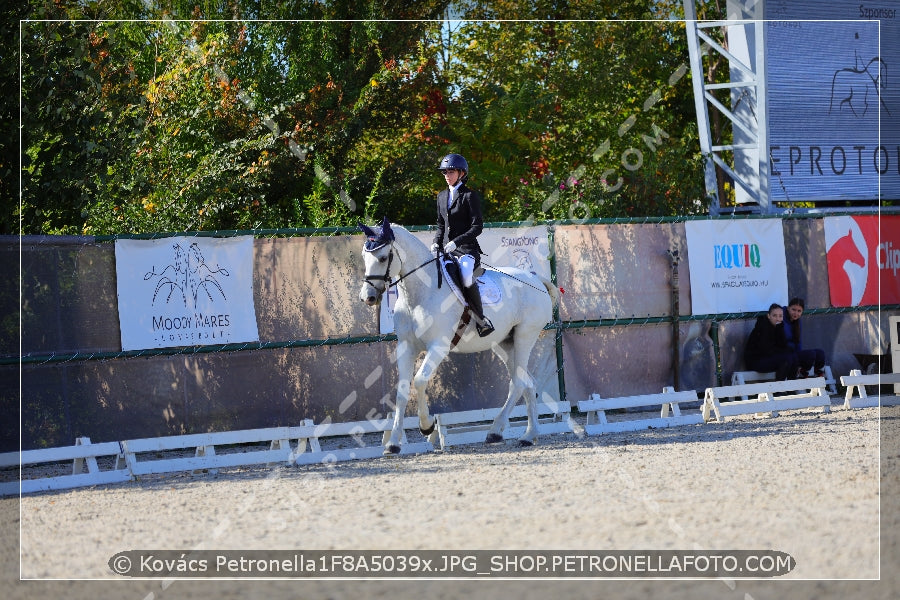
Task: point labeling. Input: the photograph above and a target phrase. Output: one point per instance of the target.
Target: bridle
(386, 278)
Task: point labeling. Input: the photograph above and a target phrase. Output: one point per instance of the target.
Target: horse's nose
(367, 294)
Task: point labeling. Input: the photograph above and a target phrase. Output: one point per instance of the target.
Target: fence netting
(321, 355)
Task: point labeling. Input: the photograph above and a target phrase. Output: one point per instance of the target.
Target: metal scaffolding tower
(741, 153)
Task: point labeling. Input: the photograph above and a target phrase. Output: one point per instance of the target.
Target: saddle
(449, 269)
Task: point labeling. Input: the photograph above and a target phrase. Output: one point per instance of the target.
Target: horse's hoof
(391, 450)
(493, 438)
(525, 443)
(430, 430)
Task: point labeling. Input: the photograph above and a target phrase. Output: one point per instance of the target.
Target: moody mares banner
(863, 255)
(183, 291)
(736, 266)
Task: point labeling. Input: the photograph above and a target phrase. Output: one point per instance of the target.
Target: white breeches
(467, 269)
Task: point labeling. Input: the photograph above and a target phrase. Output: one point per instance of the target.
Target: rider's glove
(450, 247)
(435, 248)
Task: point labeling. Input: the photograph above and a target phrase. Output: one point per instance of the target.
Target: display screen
(833, 85)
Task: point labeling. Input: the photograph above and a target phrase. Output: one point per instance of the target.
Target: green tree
(174, 125)
(11, 14)
(211, 115)
(70, 129)
(613, 98)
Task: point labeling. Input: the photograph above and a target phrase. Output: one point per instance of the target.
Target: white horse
(426, 318)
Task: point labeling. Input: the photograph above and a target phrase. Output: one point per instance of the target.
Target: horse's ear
(386, 231)
(366, 230)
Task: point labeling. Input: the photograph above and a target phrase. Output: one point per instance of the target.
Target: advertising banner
(833, 107)
(736, 266)
(863, 256)
(185, 291)
(526, 248)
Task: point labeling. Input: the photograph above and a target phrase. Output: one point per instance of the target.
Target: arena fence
(85, 464)
(578, 330)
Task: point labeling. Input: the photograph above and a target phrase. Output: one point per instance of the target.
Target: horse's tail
(552, 290)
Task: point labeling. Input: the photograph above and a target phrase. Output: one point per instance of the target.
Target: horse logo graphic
(187, 277)
(854, 87)
(523, 260)
(848, 269)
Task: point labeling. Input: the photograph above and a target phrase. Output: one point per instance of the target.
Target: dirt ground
(809, 484)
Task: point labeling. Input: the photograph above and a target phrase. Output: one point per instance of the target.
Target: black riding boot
(482, 324)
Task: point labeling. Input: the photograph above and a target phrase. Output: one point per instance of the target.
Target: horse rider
(459, 222)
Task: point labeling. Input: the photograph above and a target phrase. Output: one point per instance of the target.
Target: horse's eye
(382, 259)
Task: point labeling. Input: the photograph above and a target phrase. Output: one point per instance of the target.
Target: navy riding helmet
(454, 161)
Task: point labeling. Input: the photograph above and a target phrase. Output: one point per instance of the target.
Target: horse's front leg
(406, 362)
(436, 353)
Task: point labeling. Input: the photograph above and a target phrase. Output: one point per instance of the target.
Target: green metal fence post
(714, 334)
(560, 372)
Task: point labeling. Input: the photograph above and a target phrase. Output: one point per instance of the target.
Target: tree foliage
(617, 134)
(173, 116)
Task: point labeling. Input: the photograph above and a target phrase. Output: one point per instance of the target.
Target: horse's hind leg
(504, 351)
(515, 356)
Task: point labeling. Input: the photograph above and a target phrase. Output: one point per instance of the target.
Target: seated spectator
(767, 348)
(809, 358)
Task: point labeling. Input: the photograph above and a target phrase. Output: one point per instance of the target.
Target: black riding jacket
(462, 223)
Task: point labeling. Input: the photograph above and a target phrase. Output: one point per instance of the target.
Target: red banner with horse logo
(863, 256)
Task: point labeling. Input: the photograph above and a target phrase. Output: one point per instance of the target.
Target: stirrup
(485, 328)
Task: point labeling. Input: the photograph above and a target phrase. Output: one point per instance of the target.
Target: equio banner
(736, 265)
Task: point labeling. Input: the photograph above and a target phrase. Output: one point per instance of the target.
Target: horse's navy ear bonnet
(376, 240)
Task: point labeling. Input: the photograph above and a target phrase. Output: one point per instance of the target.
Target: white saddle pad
(487, 285)
(490, 289)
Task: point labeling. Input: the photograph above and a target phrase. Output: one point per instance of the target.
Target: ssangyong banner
(185, 291)
(736, 265)
(527, 248)
(833, 99)
(863, 257)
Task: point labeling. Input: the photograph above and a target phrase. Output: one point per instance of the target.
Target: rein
(389, 284)
(387, 277)
(427, 262)
(496, 270)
